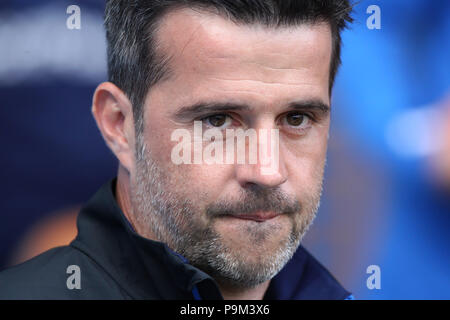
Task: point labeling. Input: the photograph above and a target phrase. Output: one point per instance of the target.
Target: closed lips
(262, 216)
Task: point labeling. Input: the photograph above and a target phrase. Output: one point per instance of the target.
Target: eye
(217, 120)
(296, 120)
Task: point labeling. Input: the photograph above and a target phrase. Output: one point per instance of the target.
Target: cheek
(305, 161)
(306, 176)
(206, 183)
(201, 182)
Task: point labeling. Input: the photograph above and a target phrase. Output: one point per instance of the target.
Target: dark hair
(135, 64)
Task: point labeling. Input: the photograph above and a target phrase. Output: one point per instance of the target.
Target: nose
(251, 175)
(269, 170)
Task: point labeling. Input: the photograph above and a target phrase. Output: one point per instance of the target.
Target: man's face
(231, 220)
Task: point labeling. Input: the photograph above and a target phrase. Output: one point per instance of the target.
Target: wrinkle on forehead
(186, 33)
(270, 98)
(209, 53)
(261, 81)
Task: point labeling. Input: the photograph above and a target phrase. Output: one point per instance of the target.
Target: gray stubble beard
(169, 218)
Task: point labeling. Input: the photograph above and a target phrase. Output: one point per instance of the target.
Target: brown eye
(217, 120)
(295, 119)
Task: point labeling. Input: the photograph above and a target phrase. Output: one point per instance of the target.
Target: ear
(113, 113)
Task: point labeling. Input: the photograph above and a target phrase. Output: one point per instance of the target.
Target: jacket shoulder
(318, 282)
(305, 278)
(59, 273)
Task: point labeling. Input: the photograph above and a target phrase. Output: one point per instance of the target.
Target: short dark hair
(135, 64)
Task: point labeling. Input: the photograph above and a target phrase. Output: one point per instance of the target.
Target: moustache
(256, 199)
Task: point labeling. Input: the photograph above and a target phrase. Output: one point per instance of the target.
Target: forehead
(205, 49)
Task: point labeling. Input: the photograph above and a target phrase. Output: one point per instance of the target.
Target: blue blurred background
(386, 199)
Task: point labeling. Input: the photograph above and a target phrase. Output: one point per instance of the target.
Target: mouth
(257, 216)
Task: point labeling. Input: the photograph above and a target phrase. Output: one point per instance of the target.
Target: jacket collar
(147, 269)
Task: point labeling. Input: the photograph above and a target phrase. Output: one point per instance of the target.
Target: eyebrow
(202, 108)
(310, 105)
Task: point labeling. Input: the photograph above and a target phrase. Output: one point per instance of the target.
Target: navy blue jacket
(116, 263)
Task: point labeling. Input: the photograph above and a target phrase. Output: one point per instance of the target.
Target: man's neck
(256, 293)
(123, 195)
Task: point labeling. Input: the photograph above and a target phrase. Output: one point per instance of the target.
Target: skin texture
(214, 60)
